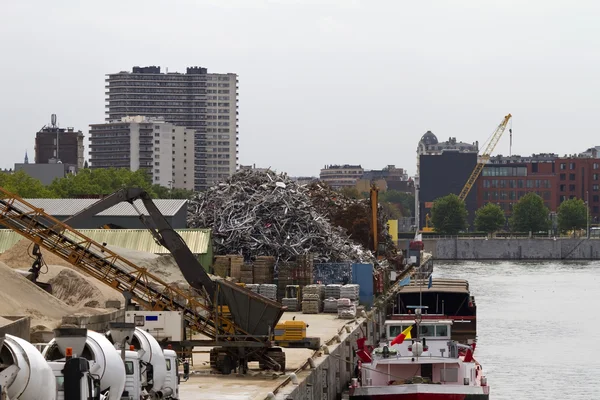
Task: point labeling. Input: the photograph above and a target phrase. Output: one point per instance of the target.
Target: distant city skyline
(321, 82)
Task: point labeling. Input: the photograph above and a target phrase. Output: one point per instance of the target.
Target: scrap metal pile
(257, 213)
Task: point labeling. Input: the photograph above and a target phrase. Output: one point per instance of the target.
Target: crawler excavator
(246, 332)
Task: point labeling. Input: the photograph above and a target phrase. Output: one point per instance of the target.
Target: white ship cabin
(433, 359)
(435, 332)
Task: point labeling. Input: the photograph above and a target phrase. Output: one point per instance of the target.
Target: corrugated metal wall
(198, 240)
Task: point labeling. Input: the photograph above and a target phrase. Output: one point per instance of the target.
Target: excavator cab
(36, 268)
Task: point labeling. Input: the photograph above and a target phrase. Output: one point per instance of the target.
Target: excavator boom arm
(162, 232)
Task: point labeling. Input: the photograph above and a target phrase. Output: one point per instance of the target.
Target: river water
(538, 326)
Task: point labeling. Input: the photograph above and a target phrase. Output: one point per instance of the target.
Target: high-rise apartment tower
(198, 100)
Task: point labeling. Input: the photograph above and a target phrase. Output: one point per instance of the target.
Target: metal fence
(330, 273)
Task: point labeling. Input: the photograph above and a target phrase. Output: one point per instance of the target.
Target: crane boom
(484, 158)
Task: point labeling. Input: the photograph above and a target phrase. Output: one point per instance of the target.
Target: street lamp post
(587, 210)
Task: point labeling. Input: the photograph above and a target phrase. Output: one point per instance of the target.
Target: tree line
(395, 204)
(449, 216)
(86, 182)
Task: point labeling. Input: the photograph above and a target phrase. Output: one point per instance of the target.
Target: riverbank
(513, 249)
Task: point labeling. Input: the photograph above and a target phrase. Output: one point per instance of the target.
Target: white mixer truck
(104, 362)
(158, 367)
(24, 374)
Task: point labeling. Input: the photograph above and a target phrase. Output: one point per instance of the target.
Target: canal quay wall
(328, 373)
(457, 248)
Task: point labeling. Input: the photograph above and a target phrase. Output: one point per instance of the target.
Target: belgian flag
(405, 334)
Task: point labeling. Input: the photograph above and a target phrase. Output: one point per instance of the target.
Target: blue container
(362, 274)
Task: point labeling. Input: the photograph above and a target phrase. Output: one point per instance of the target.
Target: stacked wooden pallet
(236, 267)
(263, 269)
(247, 273)
(222, 266)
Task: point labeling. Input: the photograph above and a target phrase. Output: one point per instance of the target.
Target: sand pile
(163, 266)
(78, 290)
(19, 296)
(19, 256)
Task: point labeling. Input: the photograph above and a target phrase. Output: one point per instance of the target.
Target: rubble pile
(262, 213)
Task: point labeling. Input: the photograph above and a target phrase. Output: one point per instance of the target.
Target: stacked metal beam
(346, 309)
(312, 299)
(333, 291)
(350, 291)
(268, 290)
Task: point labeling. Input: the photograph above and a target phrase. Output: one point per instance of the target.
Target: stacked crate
(303, 273)
(263, 269)
(284, 277)
(221, 266)
(236, 263)
(247, 274)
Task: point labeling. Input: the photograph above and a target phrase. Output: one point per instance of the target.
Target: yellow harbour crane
(482, 160)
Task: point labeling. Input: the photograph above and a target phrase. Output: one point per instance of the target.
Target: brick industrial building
(445, 168)
(556, 179)
(199, 100)
(505, 180)
(53, 144)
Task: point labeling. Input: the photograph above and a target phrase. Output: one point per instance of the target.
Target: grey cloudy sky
(321, 81)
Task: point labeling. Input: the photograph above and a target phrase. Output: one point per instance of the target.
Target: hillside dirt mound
(19, 256)
(78, 290)
(19, 296)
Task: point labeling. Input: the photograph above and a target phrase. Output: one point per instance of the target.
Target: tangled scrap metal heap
(257, 213)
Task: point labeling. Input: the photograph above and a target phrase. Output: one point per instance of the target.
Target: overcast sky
(321, 81)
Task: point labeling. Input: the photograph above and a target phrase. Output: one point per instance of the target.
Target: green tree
(572, 214)
(404, 201)
(162, 192)
(351, 192)
(24, 185)
(449, 215)
(489, 218)
(391, 210)
(101, 181)
(530, 214)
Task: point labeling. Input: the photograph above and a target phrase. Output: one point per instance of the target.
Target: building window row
(517, 183)
(504, 171)
(514, 195)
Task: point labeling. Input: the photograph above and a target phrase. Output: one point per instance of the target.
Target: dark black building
(443, 174)
(66, 145)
